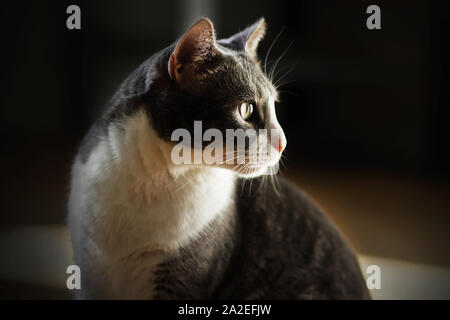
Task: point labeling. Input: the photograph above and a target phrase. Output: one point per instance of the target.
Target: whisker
(270, 48)
(278, 83)
(279, 59)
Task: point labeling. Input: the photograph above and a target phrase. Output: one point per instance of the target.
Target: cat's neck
(152, 202)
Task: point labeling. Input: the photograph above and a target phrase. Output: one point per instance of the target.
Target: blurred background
(365, 113)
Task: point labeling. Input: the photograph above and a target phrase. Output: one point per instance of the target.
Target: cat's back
(289, 248)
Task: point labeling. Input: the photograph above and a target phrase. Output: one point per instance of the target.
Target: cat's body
(145, 228)
(267, 250)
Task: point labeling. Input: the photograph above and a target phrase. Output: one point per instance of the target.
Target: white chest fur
(130, 206)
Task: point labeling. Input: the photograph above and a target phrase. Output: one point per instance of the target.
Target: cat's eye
(246, 110)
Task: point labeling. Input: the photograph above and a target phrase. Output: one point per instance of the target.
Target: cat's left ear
(248, 39)
(194, 53)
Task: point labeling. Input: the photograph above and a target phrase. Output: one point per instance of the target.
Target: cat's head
(220, 83)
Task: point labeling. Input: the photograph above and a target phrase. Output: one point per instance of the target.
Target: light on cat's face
(268, 145)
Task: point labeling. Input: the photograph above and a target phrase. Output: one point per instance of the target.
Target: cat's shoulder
(286, 212)
(276, 195)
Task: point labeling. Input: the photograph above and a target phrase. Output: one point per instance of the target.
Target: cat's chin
(251, 171)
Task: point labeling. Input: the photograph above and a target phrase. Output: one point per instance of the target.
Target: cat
(143, 227)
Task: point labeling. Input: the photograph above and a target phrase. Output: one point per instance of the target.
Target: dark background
(365, 112)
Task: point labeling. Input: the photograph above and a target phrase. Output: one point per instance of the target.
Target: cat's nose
(279, 141)
(282, 141)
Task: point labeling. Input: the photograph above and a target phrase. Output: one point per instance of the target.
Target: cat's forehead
(241, 75)
(255, 77)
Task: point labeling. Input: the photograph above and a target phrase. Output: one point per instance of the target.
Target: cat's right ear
(195, 48)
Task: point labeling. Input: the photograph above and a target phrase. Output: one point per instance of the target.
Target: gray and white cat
(143, 227)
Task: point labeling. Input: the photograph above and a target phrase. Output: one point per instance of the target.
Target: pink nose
(280, 147)
(280, 144)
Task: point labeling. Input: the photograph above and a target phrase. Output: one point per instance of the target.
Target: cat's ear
(196, 47)
(248, 39)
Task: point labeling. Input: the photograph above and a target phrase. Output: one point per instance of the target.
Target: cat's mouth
(249, 171)
(252, 170)
(251, 165)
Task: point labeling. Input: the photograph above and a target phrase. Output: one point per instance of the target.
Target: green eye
(246, 110)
